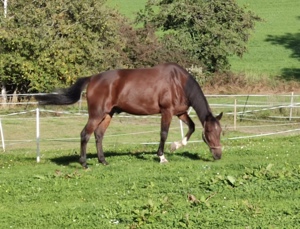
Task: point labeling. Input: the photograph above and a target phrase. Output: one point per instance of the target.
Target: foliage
(209, 31)
(142, 48)
(47, 44)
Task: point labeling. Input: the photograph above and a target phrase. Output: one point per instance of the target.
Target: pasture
(273, 49)
(255, 184)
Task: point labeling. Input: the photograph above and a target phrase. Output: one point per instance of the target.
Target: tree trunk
(15, 96)
(3, 98)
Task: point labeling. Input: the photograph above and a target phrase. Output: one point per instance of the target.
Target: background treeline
(48, 44)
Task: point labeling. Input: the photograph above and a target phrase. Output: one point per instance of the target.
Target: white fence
(252, 115)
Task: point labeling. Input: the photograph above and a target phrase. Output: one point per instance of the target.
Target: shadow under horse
(165, 89)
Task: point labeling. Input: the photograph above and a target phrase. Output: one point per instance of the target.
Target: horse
(167, 89)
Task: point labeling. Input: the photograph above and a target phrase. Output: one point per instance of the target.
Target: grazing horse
(167, 89)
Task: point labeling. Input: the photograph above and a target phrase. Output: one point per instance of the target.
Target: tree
(46, 44)
(208, 31)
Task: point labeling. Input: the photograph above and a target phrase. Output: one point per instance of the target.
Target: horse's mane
(196, 98)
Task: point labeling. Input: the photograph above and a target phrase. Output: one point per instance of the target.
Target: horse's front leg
(166, 118)
(99, 134)
(188, 121)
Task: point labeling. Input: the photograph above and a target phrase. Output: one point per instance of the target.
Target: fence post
(234, 115)
(38, 135)
(181, 126)
(291, 106)
(3, 96)
(2, 136)
(241, 117)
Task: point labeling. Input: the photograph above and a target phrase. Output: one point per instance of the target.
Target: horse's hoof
(104, 162)
(164, 161)
(174, 146)
(83, 163)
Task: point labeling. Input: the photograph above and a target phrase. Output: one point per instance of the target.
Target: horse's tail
(64, 96)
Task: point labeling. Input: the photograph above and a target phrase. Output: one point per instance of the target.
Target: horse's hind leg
(166, 118)
(99, 133)
(85, 137)
(188, 121)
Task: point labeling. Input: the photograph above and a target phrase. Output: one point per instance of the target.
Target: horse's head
(212, 134)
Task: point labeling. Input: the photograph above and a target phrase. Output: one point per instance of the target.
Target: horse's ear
(219, 116)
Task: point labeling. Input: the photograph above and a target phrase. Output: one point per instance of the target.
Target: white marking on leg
(184, 141)
(175, 146)
(163, 159)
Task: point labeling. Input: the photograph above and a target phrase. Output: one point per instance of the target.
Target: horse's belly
(140, 109)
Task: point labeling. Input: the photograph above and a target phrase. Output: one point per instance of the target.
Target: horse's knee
(164, 135)
(84, 136)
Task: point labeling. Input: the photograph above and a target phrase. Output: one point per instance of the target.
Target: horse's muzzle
(217, 153)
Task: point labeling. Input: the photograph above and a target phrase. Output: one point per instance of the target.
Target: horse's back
(140, 91)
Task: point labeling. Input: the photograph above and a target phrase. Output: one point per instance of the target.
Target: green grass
(274, 46)
(255, 185)
(273, 49)
(127, 7)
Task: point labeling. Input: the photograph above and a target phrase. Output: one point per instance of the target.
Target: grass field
(273, 49)
(255, 185)
(127, 7)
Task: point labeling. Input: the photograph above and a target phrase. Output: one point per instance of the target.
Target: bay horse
(165, 89)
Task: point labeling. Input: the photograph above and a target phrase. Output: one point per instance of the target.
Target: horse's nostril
(217, 155)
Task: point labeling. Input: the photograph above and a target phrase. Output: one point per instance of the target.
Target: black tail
(65, 96)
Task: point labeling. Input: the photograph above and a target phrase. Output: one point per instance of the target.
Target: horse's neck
(202, 109)
(197, 99)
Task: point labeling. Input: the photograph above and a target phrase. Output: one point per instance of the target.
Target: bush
(207, 31)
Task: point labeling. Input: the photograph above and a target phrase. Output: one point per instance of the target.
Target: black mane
(197, 99)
